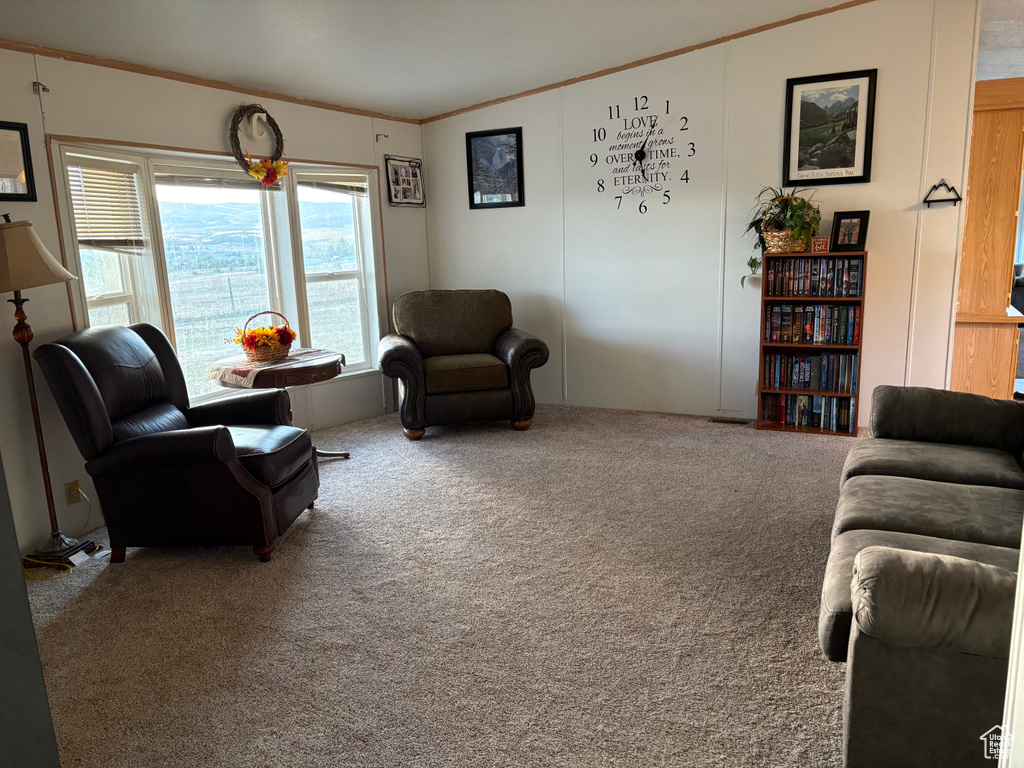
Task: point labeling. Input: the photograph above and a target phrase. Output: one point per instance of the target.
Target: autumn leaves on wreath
(783, 222)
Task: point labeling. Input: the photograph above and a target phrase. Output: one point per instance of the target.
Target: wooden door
(985, 341)
(993, 200)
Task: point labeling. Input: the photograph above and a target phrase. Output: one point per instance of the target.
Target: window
(109, 232)
(195, 246)
(333, 217)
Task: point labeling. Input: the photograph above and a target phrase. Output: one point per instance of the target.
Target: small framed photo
(16, 179)
(830, 123)
(850, 231)
(819, 244)
(494, 163)
(404, 181)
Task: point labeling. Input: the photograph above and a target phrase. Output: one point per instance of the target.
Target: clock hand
(641, 154)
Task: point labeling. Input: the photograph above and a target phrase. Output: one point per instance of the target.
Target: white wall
(646, 312)
(99, 103)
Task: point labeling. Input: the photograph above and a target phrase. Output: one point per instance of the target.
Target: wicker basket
(266, 354)
(782, 241)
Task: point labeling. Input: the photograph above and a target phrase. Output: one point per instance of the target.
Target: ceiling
(1001, 46)
(409, 58)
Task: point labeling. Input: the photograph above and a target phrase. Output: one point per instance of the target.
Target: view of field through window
(216, 260)
(220, 266)
(216, 270)
(329, 246)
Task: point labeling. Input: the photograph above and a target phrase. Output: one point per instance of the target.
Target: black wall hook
(954, 196)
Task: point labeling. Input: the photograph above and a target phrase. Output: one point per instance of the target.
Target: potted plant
(783, 222)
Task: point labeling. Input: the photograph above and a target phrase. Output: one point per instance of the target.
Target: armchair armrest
(940, 416)
(400, 358)
(265, 406)
(922, 600)
(519, 348)
(521, 352)
(163, 450)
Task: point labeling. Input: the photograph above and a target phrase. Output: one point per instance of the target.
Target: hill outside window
(193, 246)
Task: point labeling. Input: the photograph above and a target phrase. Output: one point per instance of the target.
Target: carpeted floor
(607, 589)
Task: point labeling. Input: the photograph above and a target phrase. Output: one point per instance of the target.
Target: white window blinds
(351, 184)
(105, 206)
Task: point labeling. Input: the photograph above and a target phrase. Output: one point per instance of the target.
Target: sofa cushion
(933, 461)
(463, 373)
(452, 322)
(272, 454)
(836, 613)
(977, 513)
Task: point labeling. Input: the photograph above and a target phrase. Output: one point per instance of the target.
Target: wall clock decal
(640, 150)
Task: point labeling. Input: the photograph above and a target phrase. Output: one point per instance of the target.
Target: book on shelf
(812, 324)
(824, 277)
(830, 412)
(835, 372)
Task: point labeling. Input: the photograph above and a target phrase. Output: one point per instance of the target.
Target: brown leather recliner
(458, 360)
(230, 471)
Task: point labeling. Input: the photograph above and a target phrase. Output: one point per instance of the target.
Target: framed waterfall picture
(405, 181)
(830, 122)
(494, 164)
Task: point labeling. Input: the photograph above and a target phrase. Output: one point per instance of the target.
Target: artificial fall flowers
(272, 336)
(266, 172)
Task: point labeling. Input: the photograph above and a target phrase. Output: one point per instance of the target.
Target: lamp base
(59, 544)
(61, 550)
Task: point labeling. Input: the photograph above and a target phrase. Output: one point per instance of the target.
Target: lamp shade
(24, 260)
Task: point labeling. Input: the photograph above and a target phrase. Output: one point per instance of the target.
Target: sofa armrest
(940, 416)
(265, 406)
(164, 450)
(400, 358)
(923, 600)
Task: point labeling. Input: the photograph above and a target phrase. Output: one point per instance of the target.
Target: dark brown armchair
(231, 471)
(458, 360)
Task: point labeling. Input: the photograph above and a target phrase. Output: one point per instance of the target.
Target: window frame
(303, 278)
(287, 278)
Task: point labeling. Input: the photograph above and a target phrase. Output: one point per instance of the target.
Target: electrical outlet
(73, 492)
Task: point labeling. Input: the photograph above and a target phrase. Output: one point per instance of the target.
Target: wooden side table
(294, 374)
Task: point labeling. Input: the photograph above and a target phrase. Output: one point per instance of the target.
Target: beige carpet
(607, 589)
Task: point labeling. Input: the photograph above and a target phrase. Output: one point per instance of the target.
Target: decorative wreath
(268, 170)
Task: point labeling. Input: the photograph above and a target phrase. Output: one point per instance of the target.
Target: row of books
(834, 372)
(812, 324)
(822, 411)
(839, 278)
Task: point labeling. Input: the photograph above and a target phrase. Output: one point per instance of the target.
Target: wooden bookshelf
(812, 320)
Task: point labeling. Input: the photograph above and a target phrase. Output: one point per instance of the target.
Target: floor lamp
(25, 263)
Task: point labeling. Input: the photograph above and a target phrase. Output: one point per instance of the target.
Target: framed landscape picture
(830, 122)
(16, 179)
(494, 162)
(849, 231)
(405, 181)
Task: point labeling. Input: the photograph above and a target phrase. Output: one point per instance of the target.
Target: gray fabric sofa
(919, 586)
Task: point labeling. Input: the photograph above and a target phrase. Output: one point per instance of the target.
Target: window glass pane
(336, 319)
(328, 232)
(216, 270)
(111, 314)
(101, 272)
